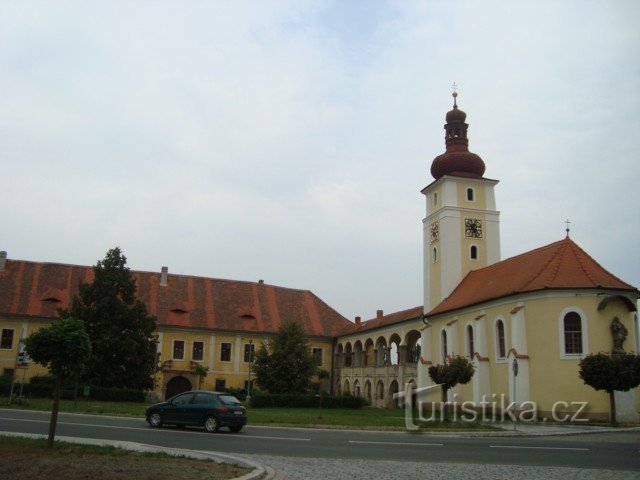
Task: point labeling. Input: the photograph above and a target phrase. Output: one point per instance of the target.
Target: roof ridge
(579, 260)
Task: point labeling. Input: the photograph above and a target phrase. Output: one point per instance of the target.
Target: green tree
(122, 333)
(455, 370)
(287, 364)
(201, 372)
(611, 372)
(64, 348)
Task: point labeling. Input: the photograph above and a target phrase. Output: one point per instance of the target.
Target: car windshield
(229, 400)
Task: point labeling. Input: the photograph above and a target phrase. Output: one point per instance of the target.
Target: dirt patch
(31, 459)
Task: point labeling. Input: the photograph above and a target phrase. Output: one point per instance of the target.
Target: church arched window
(443, 345)
(471, 351)
(572, 326)
(572, 333)
(501, 344)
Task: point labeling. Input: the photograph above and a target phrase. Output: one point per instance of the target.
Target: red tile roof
(39, 289)
(390, 319)
(560, 265)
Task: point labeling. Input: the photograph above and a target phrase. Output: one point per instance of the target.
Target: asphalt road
(619, 451)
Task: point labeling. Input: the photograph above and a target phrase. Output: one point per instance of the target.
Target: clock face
(473, 227)
(434, 232)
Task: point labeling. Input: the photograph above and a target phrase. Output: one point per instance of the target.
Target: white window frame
(13, 337)
(496, 340)
(173, 348)
(193, 351)
(230, 352)
(473, 194)
(584, 331)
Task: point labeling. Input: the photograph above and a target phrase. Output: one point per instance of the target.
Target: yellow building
(201, 321)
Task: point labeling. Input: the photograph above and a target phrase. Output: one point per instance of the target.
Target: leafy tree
(287, 364)
(611, 372)
(201, 372)
(455, 370)
(122, 333)
(63, 348)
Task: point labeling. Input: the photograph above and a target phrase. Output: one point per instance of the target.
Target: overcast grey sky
(289, 140)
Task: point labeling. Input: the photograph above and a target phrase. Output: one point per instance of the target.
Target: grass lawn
(365, 418)
(29, 458)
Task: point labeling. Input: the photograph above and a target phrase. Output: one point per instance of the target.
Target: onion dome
(457, 161)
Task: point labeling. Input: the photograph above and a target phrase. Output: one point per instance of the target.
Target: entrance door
(177, 385)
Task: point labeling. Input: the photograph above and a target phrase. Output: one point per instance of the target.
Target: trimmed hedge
(267, 400)
(114, 394)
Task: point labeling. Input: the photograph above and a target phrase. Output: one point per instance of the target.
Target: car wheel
(211, 424)
(155, 419)
(235, 429)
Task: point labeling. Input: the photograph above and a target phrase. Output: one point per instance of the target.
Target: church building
(525, 322)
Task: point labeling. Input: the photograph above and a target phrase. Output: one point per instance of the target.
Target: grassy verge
(365, 418)
(29, 458)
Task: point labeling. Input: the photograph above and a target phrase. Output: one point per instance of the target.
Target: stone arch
(394, 349)
(348, 355)
(413, 342)
(340, 356)
(369, 354)
(367, 390)
(393, 388)
(177, 385)
(380, 390)
(347, 387)
(356, 388)
(357, 354)
(381, 352)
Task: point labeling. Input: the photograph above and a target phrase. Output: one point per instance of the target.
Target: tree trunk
(445, 413)
(612, 403)
(54, 410)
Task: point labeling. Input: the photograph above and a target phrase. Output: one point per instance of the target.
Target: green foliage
(116, 394)
(239, 393)
(456, 370)
(121, 331)
(283, 400)
(43, 379)
(63, 347)
(611, 371)
(287, 365)
(201, 372)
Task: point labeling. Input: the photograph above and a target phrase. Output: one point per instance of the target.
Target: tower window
(434, 255)
(470, 194)
(473, 252)
(435, 199)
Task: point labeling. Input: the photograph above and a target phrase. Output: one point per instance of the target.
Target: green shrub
(239, 393)
(284, 400)
(43, 379)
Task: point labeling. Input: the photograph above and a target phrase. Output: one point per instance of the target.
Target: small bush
(239, 393)
(115, 394)
(284, 400)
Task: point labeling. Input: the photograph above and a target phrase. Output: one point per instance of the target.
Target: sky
(289, 140)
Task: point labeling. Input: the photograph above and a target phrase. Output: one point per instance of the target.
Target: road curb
(259, 471)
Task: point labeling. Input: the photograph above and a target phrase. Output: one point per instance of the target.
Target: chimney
(379, 314)
(260, 281)
(164, 275)
(3, 260)
(358, 320)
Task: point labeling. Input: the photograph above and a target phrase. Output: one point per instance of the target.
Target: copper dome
(457, 161)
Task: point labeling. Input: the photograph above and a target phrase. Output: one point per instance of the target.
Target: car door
(200, 407)
(176, 412)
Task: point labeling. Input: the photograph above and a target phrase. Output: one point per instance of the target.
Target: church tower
(461, 231)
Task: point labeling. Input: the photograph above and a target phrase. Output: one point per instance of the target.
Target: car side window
(182, 399)
(202, 398)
